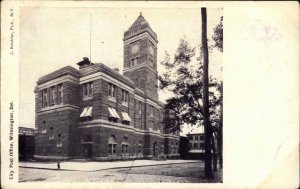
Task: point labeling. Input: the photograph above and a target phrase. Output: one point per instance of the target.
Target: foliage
(218, 36)
(183, 77)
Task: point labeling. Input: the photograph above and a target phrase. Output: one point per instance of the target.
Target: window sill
(59, 145)
(87, 98)
(125, 104)
(112, 99)
(51, 107)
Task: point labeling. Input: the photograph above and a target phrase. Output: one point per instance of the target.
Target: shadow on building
(26, 143)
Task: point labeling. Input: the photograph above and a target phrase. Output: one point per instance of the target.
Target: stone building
(96, 112)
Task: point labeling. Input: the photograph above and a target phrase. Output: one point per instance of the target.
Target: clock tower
(140, 57)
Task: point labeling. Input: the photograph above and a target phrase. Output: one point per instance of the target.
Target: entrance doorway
(87, 150)
(87, 146)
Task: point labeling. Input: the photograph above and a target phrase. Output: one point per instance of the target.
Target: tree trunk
(215, 156)
(207, 128)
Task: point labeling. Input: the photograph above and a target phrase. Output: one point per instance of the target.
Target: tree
(184, 78)
(218, 35)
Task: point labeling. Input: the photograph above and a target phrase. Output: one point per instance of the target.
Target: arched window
(87, 138)
(51, 137)
(140, 146)
(59, 142)
(112, 144)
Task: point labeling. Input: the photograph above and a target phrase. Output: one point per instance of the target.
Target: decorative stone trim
(101, 75)
(62, 79)
(57, 108)
(50, 157)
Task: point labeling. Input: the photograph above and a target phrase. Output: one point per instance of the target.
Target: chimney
(116, 69)
(84, 62)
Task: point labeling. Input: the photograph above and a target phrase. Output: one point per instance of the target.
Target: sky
(51, 38)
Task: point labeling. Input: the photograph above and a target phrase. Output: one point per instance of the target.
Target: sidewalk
(96, 166)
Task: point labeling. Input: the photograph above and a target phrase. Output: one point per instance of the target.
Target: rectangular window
(45, 97)
(125, 148)
(112, 148)
(51, 93)
(87, 113)
(140, 107)
(109, 148)
(59, 94)
(134, 61)
(151, 108)
(124, 96)
(151, 61)
(195, 145)
(87, 89)
(113, 116)
(125, 118)
(111, 90)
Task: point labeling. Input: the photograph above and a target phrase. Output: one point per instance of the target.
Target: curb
(105, 168)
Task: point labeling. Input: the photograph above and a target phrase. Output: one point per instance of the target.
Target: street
(181, 173)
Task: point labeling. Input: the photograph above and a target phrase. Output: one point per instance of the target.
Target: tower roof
(138, 22)
(139, 26)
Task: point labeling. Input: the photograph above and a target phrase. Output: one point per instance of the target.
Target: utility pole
(207, 125)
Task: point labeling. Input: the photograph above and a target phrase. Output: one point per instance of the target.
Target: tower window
(151, 61)
(151, 109)
(134, 61)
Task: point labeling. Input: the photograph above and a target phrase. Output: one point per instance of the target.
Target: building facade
(96, 112)
(196, 146)
(196, 142)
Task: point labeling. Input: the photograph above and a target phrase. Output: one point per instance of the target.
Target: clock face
(135, 49)
(151, 50)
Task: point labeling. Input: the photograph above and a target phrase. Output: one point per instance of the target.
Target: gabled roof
(138, 22)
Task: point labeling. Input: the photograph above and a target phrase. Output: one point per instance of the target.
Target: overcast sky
(51, 38)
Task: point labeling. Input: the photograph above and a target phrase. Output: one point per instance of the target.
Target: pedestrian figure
(58, 165)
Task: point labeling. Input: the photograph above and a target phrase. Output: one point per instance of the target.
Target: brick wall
(63, 123)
